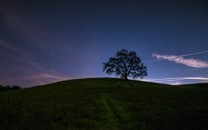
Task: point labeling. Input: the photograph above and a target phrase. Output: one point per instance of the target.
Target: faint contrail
(191, 54)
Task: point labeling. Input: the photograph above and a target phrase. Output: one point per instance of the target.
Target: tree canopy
(125, 64)
(8, 87)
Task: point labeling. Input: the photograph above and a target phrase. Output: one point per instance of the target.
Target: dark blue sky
(46, 41)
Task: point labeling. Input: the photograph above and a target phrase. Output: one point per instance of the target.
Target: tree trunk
(126, 77)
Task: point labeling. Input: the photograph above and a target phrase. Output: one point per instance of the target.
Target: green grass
(106, 104)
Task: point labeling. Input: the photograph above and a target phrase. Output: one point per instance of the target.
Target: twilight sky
(44, 41)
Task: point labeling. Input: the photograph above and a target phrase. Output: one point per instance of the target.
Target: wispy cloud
(195, 63)
(20, 68)
(178, 80)
(181, 78)
(9, 50)
(41, 78)
(184, 55)
(34, 79)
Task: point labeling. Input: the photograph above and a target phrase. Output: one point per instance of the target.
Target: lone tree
(125, 64)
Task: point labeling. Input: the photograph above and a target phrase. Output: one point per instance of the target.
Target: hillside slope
(105, 104)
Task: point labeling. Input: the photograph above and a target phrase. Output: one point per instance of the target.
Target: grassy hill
(105, 104)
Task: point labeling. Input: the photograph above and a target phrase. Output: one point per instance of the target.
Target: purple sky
(47, 41)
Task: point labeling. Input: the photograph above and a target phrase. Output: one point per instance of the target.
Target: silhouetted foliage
(16, 87)
(125, 64)
(8, 87)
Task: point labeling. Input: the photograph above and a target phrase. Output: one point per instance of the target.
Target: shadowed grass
(105, 104)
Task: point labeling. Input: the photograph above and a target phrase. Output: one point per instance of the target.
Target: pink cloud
(195, 63)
